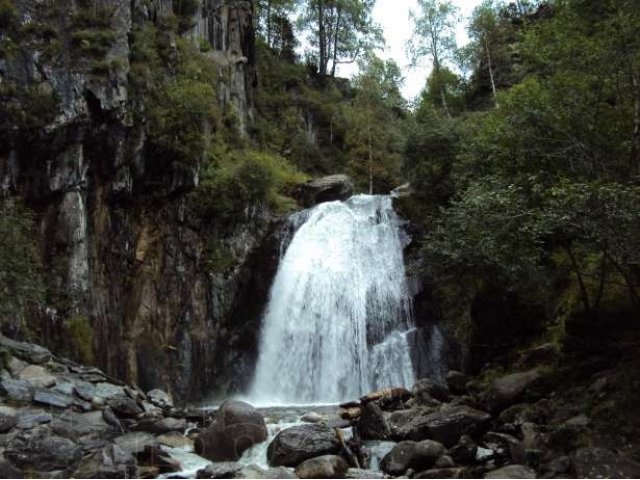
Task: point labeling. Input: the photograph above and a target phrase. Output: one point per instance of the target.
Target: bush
(78, 338)
(94, 42)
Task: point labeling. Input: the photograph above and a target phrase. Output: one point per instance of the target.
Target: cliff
(127, 257)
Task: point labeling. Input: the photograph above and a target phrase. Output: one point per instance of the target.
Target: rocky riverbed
(60, 419)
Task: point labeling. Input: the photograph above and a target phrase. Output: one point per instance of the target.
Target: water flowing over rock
(339, 310)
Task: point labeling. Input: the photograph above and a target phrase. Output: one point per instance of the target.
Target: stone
(512, 471)
(29, 418)
(106, 391)
(425, 390)
(359, 473)
(253, 472)
(220, 470)
(312, 417)
(237, 427)
(65, 386)
(175, 440)
(372, 424)
(327, 189)
(15, 365)
(445, 461)
(508, 390)
(135, 443)
(415, 455)
(457, 382)
(37, 376)
(444, 473)
(557, 466)
(504, 445)
(325, 466)
(296, 444)
(19, 391)
(39, 450)
(160, 398)
(52, 398)
(84, 390)
(464, 451)
(602, 463)
(76, 426)
(387, 395)
(30, 352)
(566, 436)
(8, 419)
(445, 426)
(111, 461)
(124, 406)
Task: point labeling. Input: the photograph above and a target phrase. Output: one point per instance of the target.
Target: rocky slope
(121, 245)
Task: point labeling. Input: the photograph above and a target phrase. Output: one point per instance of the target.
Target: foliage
(78, 339)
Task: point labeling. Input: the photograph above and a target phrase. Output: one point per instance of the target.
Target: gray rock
(29, 418)
(19, 391)
(175, 440)
(30, 352)
(135, 443)
(359, 473)
(220, 470)
(507, 390)
(107, 390)
(602, 463)
(253, 471)
(52, 398)
(444, 473)
(15, 365)
(124, 406)
(312, 417)
(327, 189)
(294, 445)
(39, 450)
(457, 382)
(325, 466)
(37, 376)
(372, 424)
(502, 444)
(425, 390)
(65, 386)
(160, 398)
(237, 427)
(110, 461)
(8, 419)
(76, 426)
(164, 425)
(84, 390)
(512, 471)
(414, 455)
(445, 461)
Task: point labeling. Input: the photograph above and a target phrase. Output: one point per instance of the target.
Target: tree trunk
(335, 44)
(322, 40)
(583, 289)
(370, 149)
(635, 154)
(493, 83)
(269, 23)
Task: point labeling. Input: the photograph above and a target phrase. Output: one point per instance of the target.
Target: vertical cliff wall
(121, 245)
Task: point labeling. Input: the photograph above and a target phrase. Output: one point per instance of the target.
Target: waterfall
(339, 309)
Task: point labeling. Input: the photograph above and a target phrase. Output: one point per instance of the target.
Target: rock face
(119, 237)
(237, 427)
(327, 189)
(296, 444)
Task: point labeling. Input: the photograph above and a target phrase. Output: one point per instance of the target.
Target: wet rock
(253, 471)
(110, 461)
(372, 424)
(19, 391)
(296, 444)
(312, 417)
(325, 466)
(30, 352)
(387, 395)
(512, 471)
(164, 425)
(327, 189)
(39, 450)
(507, 390)
(602, 463)
(351, 414)
(37, 376)
(444, 473)
(135, 443)
(425, 390)
(124, 406)
(8, 419)
(465, 451)
(29, 418)
(237, 427)
(160, 398)
(358, 473)
(457, 381)
(414, 455)
(51, 398)
(175, 440)
(220, 470)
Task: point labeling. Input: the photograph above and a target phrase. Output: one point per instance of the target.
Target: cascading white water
(339, 310)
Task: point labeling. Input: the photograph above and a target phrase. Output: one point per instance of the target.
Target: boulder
(445, 461)
(387, 395)
(253, 471)
(294, 445)
(557, 466)
(37, 376)
(414, 455)
(444, 473)
(425, 390)
(237, 427)
(312, 417)
(602, 463)
(445, 426)
(160, 398)
(325, 466)
(502, 444)
(372, 424)
(110, 461)
(30, 352)
(506, 391)
(457, 382)
(51, 398)
(136, 443)
(220, 470)
(464, 451)
(359, 473)
(37, 449)
(106, 391)
(164, 425)
(77, 426)
(17, 391)
(124, 406)
(30, 417)
(512, 471)
(327, 189)
(176, 440)
(566, 436)
(8, 419)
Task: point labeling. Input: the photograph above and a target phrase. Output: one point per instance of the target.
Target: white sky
(393, 16)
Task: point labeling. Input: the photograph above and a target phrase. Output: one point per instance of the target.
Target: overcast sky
(393, 16)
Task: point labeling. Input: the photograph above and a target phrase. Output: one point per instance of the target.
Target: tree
(341, 31)
(434, 36)
(484, 30)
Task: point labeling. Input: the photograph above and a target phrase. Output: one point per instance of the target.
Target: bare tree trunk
(269, 23)
(493, 83)
(370, 149)
(322, 40)
(335, 44)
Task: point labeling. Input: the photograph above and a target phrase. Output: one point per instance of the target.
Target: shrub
(78, 336)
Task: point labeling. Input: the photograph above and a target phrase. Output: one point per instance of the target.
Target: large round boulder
(237, 426)
(325, 466)
(294, 445)
(416, 455)
(508, 390)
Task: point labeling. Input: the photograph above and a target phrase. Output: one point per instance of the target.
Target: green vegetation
(78, 339)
